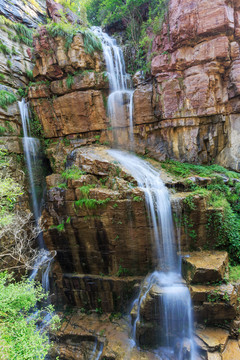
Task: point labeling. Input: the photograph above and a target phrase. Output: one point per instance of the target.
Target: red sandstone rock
(71, 113)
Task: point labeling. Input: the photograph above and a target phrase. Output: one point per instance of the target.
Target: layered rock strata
(196, 77)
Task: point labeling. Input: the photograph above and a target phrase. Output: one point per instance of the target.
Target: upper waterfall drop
(120, 99)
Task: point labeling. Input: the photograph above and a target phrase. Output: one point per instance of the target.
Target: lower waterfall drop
(171, 321)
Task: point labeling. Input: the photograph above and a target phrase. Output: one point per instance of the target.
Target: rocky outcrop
(97, 223)
(195, 76)
(74, 100)
(205, 267)
(30, 13)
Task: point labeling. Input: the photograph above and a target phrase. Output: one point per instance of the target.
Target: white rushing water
(31, 152)
(120, 100)
(175, 302)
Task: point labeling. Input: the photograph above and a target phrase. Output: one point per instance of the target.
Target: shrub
(21, 337)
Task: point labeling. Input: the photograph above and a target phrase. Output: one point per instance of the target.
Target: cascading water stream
(120, 100)
(175, 300)
(31, 151)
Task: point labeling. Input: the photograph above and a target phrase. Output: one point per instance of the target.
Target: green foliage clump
(234, 273)
(68, 31)
(185, 169)
(60, 227)
(69, 81)
(137, 16)
(73, 173)
(4, 49)
(222, 197)
(29, 74)
(2, 77)
(24, 34)
(35, 125)
(21, 339)
(6, 98)
(137, 198)
(122, 271)
(224, 227)
(9, 64)
(9, 191)
(90, 203)
(2, 130)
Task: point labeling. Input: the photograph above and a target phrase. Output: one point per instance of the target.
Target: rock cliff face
(196, 71)
(15, 63)
(95, 215)
(190, 111)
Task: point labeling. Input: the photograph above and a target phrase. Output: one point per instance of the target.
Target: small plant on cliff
(73, 173)
(70, 81)
(122, 271)
(91, 203)
(2, 130)
(9, 64)
(4, 49)
(24, 34)
(6, 98)
(29, 74)
(60, 227)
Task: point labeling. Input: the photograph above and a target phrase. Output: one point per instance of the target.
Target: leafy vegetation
(68, 31)
(185, 169)
(9, 191)
(21, 338)
(137, 16)
(4, 49)
(29, 74)
(6, 98)
(69, 81)
(73, 173)
(24, 34)
(222, 196)
(90, 203)
(234, 273)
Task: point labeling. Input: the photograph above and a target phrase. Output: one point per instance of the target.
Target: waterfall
(175, 305)
(120, 100)
(31, 148)
(175, 302)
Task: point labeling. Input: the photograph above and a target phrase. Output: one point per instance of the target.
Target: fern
(4, 49)
(91, 203)
(70, 81)
(86, 188)
(6, 98)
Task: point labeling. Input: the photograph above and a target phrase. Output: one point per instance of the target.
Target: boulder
(205, 266)
(214, 338)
